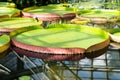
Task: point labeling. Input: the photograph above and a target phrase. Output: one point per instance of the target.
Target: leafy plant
(24, 78)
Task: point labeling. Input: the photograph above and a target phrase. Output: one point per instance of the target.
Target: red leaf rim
(58, 57)
(96, 53)
(49, 17)
(7, 30)
(44, 17)
(115, 45)
(69, 16)
(98, 46)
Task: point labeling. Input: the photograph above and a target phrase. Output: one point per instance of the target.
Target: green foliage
(24, 29)
(17, 22)
(98, 11)
(51, 9)
(82, 11)
(8, 11)
(102, 13)
(112, 31)
(4, 39)
(24, 78)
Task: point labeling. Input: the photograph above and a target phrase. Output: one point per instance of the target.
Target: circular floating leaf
(62, 39)
(4, 45)
(115, 35)
(7, 4)
(102, 13)
(52, 12)
(8, 12)
(102, 16)
(9, 24)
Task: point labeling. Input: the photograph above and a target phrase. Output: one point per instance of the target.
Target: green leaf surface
(24, 78)
(4, 39)
(117, 34)
(102, 13)
(47, 11)
(51, 9)
(17, 22)
(7, 11)
(115, 30)
(64, 36)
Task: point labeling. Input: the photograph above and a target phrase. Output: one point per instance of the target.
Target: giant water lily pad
(4, 45)
(9, 24)
(102, 13)
(8, 12)
(50, 9)
(115, 34)
(102, 16)
(60, 42)
(7, 4)
(115, 37)
(54, 12)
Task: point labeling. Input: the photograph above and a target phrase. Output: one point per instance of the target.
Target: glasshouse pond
(60, 40)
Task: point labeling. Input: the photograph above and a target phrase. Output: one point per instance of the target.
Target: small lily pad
(115, 34)
(24, 78)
